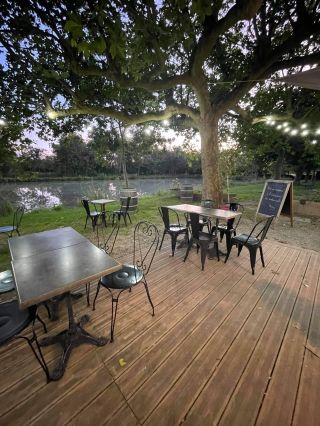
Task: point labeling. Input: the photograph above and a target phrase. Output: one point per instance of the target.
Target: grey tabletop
(207, 212)
(29, 245)
(46, 274)
(102, 201)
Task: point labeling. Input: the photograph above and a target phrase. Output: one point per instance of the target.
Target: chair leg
(149, 297)
(114, 310)
(203, 255)
(261, 254)
(228, 254)
(253, 254)
(95, 297)
(88, 293)
(217, 250)
(240, 246)
(164, 233)
(129, 218)
(221, 236)
(188, 249)
(125, 219)
(173, 243)
(85, 225)
(42, 322)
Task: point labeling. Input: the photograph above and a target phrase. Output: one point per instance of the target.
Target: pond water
(34, 195)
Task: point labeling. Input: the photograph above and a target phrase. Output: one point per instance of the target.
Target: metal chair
(105, 241)
(13, 321)
(204, 221)
(123, 211)
(146, 241)
(202, 239)
(230, 228)
(252, 241)
(93, 215)
(172, 229)
(17, 217)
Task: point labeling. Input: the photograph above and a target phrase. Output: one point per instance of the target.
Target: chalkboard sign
(276, 199)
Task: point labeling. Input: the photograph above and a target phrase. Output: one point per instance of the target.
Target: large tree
(140, 61)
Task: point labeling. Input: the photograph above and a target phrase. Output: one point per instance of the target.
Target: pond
(34, 195)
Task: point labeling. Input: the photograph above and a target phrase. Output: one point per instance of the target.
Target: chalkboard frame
(286, 205)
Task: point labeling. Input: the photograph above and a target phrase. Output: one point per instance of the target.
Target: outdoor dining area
(213, 334)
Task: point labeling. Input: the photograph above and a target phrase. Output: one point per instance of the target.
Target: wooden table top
(207, 212)
(48, 273)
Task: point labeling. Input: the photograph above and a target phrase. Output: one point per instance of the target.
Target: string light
(305, 133)
(51, 114)
(2, 122)
(314, 141)
(294, 132)
(279, 126)
(286, 129)
(318, 131)
(304, 126)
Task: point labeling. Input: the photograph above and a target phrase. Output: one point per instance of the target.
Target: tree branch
(243, 9)
(126, 118)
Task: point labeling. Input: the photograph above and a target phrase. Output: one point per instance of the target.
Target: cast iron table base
(52, 304)
(74, 336)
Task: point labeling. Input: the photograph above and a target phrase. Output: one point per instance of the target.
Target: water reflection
(49, 194)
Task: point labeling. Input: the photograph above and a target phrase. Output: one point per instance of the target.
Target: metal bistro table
(102, 202)
(210, 213)
(52, 263)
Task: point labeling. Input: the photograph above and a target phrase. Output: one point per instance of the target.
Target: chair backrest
(85, 204)
(166, 214)
(106, 238)
(146, 241)
(261, 228)
(125, 204)
(195, 225)
(235, 207)
(208, 204)
(17, 217)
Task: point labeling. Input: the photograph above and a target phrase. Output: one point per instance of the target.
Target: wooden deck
(224, 347)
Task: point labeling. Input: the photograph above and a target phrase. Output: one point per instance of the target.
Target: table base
(52, 305)
(74, 336)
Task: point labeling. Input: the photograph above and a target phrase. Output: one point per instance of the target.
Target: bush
(6, 207)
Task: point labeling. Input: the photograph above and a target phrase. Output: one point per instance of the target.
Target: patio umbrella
(309, 79)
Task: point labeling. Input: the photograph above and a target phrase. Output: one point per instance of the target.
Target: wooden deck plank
(170, 341)
(218, 335)
(307, 402)
(275, 298)
(158, 385)
(190, 385)
(280, 394)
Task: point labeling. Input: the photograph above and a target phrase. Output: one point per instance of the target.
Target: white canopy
(309, 79)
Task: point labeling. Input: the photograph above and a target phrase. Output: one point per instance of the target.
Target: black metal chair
(173, 229)
(202, 239)
(204, 221)
(230, 228)
(17, 217)
(93, 215)
(105, 240)
(14, 320)
(146, 241)
(252, 241)
(124, 211)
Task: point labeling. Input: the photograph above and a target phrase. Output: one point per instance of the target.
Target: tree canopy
(141, 61)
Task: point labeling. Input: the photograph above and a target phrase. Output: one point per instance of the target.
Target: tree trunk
(279, 164)
(211, 185)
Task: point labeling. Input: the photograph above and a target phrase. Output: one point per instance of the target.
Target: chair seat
(127, 277)
(243, 238)
(12, 320)
(94, 214)
(5, 229)
(6, 281)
